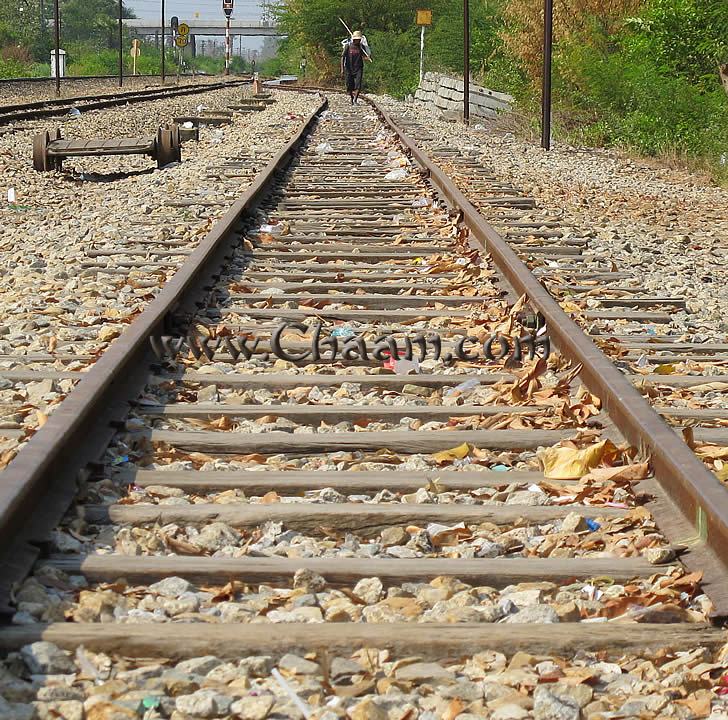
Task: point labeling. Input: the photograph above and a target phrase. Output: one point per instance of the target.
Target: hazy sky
(186, 9)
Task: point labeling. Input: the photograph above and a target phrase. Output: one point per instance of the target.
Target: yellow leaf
(563, 463)
(665, 369)
(456, 453)
(570, 307)
(722, 474)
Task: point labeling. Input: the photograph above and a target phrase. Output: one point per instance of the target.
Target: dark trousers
(354, 80)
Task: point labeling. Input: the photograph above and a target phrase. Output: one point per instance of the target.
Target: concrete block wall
(446, 94)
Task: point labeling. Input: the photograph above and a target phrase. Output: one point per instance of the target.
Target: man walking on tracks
(352, 65)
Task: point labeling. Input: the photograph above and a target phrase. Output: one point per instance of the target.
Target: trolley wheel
(58, 160)
(41, 159)
(165, 153)
(176, 141)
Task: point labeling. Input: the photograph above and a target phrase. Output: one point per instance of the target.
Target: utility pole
(548, 36)
(57, 59)
(466, 60)
(163, 40)
(41, 9)
(121, 45)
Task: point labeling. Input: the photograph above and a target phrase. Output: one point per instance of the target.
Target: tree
(92, 21)
(688, 38)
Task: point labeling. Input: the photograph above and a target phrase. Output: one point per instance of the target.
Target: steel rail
(695, 492)
(39, 484)
(73, 78)
(46, 108)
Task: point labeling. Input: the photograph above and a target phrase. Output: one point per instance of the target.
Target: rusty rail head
(37, 486)
(692, 488)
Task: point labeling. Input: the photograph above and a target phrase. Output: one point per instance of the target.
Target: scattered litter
(11, 195)
(463, 387)
(396, 175)
(151, 703)
(643, 361)
(268, 292)
(593, 525)
(120, 460)
(456, 453)
(324, 148)
(421, 202)
(188, 125)
(74, 112)
(342, 332)
(305, 710)
(272, 229)
(500, 468)
(369, 163)
(405, 367)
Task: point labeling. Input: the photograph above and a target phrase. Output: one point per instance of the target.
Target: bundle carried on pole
(364, 44)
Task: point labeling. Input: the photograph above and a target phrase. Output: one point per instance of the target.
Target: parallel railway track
(58, 106)
(348, 502)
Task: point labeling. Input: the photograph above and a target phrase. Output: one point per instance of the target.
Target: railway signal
(227, 7)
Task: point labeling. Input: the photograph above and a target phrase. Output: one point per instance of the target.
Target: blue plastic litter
(342, 332)
(120, 459)
(593, 525)
(500, 468)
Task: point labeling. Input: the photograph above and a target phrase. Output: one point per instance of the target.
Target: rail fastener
(164, 147)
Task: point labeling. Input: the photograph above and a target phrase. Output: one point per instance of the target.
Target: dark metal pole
(163, 40)
(548, 32)
(466, 59)
(121, 47)
(57, 21)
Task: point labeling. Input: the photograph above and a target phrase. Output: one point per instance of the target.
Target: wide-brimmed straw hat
(357, 35)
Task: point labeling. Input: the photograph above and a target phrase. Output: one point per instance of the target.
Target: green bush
(10, 68)
(623, 97)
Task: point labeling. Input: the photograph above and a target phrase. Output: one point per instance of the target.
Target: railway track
(368, 536)
(59, 106)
